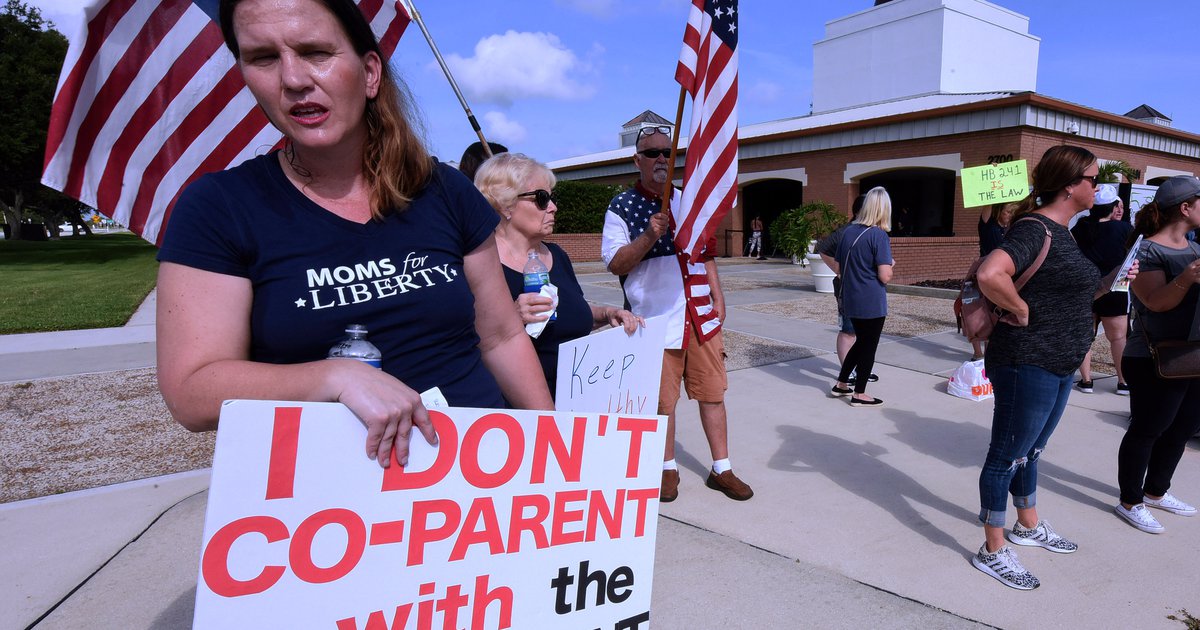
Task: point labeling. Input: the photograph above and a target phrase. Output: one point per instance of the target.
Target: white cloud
(516, 66)
(763, 92)
(500, 128)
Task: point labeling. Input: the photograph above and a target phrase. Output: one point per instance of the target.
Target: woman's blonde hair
(877, 209)
(395, 161)
(503, 176)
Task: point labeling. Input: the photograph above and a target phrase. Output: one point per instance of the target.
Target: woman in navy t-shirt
(520, 188)
(352, 222)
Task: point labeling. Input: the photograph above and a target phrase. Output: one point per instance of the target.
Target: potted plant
(795, 231)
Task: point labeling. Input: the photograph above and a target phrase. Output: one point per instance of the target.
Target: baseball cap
(1105, 194)
(1177, 190)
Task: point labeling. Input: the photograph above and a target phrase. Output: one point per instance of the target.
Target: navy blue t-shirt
(572, 320)
(313, 272)
(864, 296)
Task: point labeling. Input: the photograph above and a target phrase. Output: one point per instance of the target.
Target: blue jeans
(1029, 401)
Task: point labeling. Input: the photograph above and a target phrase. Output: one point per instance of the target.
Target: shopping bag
(970, 381)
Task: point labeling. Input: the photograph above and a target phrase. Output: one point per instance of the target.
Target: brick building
(910, 122)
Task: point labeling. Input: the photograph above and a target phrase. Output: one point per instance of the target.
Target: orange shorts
(701, 368)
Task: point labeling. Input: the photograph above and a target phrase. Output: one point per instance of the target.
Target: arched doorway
(767, 199)
(922, 200)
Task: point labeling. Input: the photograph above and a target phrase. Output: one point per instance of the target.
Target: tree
(31, 55)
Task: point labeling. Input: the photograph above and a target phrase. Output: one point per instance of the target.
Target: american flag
(708, 71)
(150, 99)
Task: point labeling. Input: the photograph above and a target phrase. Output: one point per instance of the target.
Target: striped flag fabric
(149, 99)
(708, 70)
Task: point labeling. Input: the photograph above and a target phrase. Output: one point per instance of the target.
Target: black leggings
(1166, 413)
(861, 357)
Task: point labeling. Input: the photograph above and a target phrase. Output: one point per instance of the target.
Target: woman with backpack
(1165, 413)
(1032, 354)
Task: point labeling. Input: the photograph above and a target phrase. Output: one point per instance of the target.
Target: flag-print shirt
(656, 285)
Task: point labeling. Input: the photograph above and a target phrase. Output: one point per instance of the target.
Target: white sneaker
(1171, 504)
(1004, 566)
(1141, 518)
(1040, 535)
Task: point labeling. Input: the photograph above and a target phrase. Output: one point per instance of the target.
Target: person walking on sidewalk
(827, 249)
(1165, 413)
(756, 230)
(865, 261)
(638, 244)
(1031, 361)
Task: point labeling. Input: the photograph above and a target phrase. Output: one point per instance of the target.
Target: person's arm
(884, 272)
(985, 213)
(832, 263)
(1158, 295)
(506, 349)
(628, 256)
(714, 286)
(203, 343)
(995, 276)
(612, 316)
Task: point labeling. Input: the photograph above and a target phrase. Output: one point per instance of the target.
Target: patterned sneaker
(1086, 387)
(1004, 566)
(1171, 504)
(1141, 518)
(1041, 535)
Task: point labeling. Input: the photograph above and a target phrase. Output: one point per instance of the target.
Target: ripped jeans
(1029, 401)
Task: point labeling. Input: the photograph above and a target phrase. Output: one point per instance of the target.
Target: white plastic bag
(970, 381)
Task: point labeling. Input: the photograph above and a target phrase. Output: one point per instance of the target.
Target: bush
(581, 206)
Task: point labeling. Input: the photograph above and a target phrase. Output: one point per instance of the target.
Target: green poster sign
(995, 183)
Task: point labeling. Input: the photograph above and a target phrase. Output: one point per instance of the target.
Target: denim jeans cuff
(1025, 502)
(995, 518)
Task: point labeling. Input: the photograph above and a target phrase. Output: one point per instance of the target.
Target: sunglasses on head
(650, 131)
(541, 198)
(654, 154)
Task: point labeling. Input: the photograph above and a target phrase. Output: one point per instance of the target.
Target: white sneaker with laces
(1141, 518)
(1172, 504)
(1040, 535)
(1004, 566)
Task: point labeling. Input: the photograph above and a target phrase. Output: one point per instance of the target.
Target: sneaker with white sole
(1170, 503)
(1004, 566)
(1140, 517)
(1086, 387)
(1040, 535)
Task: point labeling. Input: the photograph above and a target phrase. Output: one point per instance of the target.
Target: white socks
(721, 465)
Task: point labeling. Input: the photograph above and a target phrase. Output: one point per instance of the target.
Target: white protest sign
(611, 371)
(517, 519)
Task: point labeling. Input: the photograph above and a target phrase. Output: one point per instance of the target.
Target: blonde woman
(521, 191)
(865, 259)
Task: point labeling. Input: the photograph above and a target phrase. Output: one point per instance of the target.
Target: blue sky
(557, 78)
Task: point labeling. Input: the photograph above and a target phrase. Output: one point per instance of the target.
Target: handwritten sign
(611, 371)
(995, 183)
(517, 519)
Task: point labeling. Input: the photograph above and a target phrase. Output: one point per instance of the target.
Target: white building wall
(908, 48)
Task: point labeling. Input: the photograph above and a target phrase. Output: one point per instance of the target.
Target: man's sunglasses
(650, 131)
(541, 198)
(654, 154)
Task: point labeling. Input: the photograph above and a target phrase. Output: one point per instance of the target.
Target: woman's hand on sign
(387, 407)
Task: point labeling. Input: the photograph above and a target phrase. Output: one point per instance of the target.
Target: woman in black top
(520, 188)
(1165, 413)
(1030, 361)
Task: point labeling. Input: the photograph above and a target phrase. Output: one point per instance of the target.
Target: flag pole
(416, 16)
(669, 186)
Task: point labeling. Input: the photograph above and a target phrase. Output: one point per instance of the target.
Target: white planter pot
(822, 275)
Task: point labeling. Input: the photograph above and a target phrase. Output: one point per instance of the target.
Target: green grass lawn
(78, 282)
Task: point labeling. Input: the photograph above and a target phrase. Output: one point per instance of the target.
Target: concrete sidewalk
(861, 518)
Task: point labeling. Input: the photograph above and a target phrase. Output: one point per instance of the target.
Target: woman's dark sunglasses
(541, 198)
(654, 154)
(1090, 178)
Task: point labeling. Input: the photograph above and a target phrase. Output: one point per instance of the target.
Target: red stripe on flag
(117, 85)
(68, 95)
(181, 72)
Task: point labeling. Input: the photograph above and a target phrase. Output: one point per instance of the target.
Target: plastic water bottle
(536, 275)
(356, 346)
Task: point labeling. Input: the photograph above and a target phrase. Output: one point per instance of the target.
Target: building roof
(1144, 111)
(648, 117)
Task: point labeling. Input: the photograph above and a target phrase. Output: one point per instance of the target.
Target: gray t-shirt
(1059, 296)
(1175, 323)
